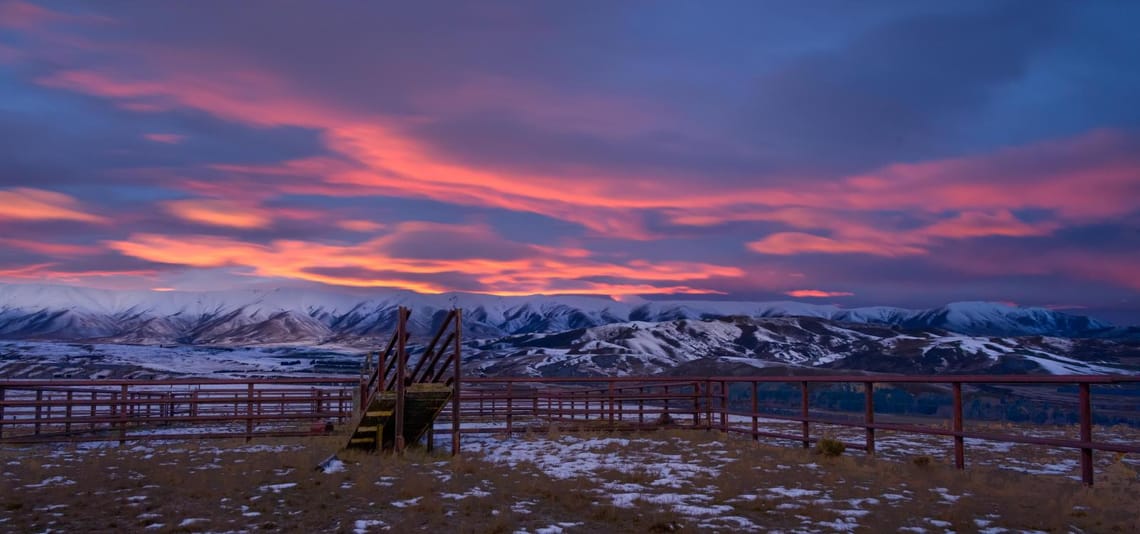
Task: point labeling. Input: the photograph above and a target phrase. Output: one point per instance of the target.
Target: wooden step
(378, 413)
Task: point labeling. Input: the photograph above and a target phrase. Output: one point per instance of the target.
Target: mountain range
(748, 345)
(568, 335)
(47, 312)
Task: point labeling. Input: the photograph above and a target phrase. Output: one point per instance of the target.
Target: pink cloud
(951, 199)
(50, 249)
(817, 293)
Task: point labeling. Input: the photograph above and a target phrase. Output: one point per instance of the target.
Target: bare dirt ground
(691, 481)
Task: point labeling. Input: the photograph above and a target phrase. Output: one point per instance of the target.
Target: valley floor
(543, 482)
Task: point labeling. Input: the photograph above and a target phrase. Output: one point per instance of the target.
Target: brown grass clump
(830, 447)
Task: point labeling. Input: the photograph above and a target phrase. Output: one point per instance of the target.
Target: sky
(854, 153)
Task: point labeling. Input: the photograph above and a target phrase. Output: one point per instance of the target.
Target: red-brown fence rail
(122, 410)
(34, 411)
(739, 405)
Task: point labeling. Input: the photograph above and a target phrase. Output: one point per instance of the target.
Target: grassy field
(693, 481)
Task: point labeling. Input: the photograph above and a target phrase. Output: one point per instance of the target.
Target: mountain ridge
(715, 346)
(285, 315)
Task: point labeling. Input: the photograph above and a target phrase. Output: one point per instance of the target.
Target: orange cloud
(219, 213)
(375, 156)
(788, 243)
(368, 264)
(23, 203)
(816, 293)
(378, 158)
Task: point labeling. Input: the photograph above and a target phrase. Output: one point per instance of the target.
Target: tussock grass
(229, 486)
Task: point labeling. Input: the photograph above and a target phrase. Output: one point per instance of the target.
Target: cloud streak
(695, 155)
(29, 204)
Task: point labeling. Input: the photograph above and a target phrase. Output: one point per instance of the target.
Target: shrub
(922, 461)
(830, 447)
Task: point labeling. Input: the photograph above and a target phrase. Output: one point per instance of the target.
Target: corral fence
(761, 407)
(37, 411)
(786, 408)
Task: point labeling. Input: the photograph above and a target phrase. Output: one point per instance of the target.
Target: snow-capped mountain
(732, 345)
(47, 312)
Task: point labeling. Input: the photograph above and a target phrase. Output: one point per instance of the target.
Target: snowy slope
(717, 345)
(48, 312)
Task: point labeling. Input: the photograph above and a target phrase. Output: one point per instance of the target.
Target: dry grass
(234, 486)
(830, 447)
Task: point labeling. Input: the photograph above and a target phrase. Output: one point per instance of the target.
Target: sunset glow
(219, 147)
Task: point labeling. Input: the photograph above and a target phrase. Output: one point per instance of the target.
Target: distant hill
(46, 312)
(556, 336)
(779, 345)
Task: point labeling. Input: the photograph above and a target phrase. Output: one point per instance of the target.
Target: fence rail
(734, 405)
(121, 410)
(33, 411)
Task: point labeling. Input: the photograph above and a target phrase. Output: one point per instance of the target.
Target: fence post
(804, 414)
(67, 413)
(1086, 434)
(696, 404)
(708, 405)
(510, 407)
(755, 410)
(959, 441)
(123, 416)
(39, 402)
(249, 413)
(611, 403)
(194, 403)
(723, 406)
(869, 415)
(641, 405)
